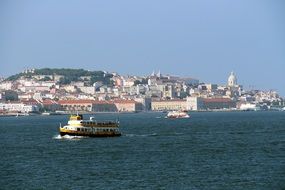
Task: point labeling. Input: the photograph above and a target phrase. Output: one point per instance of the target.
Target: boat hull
(177, 117)
(89, 134)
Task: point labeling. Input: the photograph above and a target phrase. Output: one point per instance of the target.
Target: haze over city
(201, 39)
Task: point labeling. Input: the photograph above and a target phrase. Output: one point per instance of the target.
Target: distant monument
(232, 80)
(234, 90)
(159, 75)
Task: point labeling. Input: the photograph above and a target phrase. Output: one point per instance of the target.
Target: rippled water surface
(207, 151)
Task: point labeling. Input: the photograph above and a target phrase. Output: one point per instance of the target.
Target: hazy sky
(205, 39)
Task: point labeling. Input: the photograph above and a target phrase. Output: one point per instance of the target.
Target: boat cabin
(76, 117)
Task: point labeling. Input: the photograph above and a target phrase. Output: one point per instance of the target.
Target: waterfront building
(18, 107)
(218, 103)
(104, 106)
(100, 106)
(50, 105)
(76, 105)
(128, 105)
(146, 103)
(175, 104)
(195, 103)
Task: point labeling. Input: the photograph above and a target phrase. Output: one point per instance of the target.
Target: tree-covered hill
(68, 75)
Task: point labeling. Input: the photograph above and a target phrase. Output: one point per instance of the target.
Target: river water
(233, 150)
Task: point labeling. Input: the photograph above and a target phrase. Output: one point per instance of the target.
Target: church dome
(232, 80)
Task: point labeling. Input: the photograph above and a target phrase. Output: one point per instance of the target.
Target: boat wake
(142, 135)
(154, 134)
(59, 137)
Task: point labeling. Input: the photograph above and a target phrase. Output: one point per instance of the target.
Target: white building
(88, 89)
(6, 85)
(194, 103)
(18, 107)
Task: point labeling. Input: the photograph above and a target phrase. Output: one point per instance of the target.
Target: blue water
(208, 151)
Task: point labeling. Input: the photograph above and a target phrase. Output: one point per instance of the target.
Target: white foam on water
(153, 134)
(59, 137)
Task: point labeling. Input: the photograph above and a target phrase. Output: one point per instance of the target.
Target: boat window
(78, 129)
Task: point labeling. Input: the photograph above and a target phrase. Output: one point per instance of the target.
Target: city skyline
(156, 72)
(205, 40)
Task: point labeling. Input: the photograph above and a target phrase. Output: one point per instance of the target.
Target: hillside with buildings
(64, 76)
(72, 90)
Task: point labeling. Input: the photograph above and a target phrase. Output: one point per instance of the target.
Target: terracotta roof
(96, 102)
(125, 102)
(76, 101)
(102, 102)
(30, 102)
(49, 102)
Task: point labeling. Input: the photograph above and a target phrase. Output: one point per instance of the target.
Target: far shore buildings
(100, 106)
(193, 104)
(161, 105)
(18, 107)
(155, 92)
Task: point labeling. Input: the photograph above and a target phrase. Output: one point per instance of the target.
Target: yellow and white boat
(78, 127)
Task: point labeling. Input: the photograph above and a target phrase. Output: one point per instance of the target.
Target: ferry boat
(177, 114)
(76, 126)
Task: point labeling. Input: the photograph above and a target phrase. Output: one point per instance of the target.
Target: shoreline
(92, 113)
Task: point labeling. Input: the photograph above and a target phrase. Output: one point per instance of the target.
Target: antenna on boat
(118, 120)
